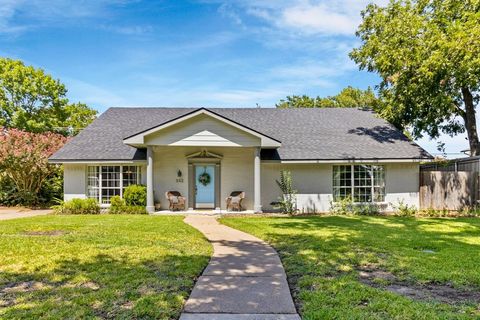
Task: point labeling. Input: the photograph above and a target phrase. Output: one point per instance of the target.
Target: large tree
(347, 98)
(24, 161)
(427, 53)
(34, 101)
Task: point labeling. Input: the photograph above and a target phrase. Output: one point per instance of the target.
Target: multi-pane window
(104, 182)
(110, 182)
(363, 183)
(130, 175)
(93, 182)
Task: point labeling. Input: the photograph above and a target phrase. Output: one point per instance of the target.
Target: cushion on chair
(235, 199)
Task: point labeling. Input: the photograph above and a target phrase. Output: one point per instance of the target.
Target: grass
(324, 258)
(123, 267)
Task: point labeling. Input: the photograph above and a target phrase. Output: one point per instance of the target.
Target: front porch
(202, 212)
(180, 169)
(205, 157)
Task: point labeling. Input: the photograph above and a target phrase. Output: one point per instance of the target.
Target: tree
(33, 101)
(347, 98)
(24, 160)
(427, 53)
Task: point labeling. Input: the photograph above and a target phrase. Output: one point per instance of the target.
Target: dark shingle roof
(305, 134)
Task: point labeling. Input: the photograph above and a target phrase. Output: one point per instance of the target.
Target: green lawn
(58, 267)
(348, 267)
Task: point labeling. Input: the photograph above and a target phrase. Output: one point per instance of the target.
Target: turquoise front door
(205, 186)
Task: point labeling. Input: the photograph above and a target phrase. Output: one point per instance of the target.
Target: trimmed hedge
(77, 206)
(119, 206)
(135, 195)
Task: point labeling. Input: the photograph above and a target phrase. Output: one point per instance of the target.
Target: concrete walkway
(244, 279)
(14, 213)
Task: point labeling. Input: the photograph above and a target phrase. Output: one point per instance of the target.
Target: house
(205, 154)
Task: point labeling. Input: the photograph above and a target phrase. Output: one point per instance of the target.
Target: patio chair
(234, 201)
(175, 199)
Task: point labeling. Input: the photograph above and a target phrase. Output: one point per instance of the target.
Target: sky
(204, 53)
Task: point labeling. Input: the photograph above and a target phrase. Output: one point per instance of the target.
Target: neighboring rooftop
(305, 134)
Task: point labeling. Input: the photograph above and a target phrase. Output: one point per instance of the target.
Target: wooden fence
(442, 190)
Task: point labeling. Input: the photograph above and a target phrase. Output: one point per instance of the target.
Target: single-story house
(205, 154)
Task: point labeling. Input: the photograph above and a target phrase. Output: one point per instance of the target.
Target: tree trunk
(471, 122)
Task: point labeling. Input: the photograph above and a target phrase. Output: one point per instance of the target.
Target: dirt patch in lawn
(26, 286)
(445, 293)
(9, 291)
(45, 233)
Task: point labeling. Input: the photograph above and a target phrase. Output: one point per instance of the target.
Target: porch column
(150, 202)
(257, 202)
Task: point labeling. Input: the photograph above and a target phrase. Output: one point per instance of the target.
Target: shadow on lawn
(324, 258)
(105, 287)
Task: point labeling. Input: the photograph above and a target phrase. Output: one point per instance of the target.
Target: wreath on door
(204, 178)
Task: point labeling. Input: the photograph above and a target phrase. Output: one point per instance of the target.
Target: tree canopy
(347, 98)
(24, 160)
(34, 101)
(427, 53)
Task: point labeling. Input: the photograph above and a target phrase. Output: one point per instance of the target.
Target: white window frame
(352, 183)
(100, 187)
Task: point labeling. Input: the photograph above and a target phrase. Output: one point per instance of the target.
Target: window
(363, 183)
(93, 182)
(104, 182)
(110, 183)
(130, 176)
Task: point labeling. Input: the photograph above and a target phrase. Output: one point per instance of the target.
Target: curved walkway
(244, 279)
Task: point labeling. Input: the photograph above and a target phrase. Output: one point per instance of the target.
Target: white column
(150, 202)
(257, 202)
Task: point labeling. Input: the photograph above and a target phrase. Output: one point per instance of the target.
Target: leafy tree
(347, 98)
(427, 53)
(33, 101)
(24, 161)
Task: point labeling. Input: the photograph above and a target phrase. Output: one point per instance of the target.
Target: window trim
(100, 187)
(352, 182)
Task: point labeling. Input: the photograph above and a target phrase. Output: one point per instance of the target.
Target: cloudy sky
(224, 53)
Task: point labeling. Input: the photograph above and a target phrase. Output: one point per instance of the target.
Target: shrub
(286, 203)
(118, 206)
(134, 210)
(366, 209)
(347, 206)
(24, 161)
(77, 206)
(135, 195)
(404, 210)
(342, 206)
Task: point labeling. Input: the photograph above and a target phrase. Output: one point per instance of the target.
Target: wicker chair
(234, 201)
(175, 199)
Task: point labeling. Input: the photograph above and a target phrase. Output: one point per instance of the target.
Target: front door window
(205, 186)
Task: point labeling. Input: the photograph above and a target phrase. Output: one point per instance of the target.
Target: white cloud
(322, 17)
(228, 12)
(318, 19)
(57, 13)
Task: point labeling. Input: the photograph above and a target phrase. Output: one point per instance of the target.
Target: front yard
(109, 266)
(376, 267)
